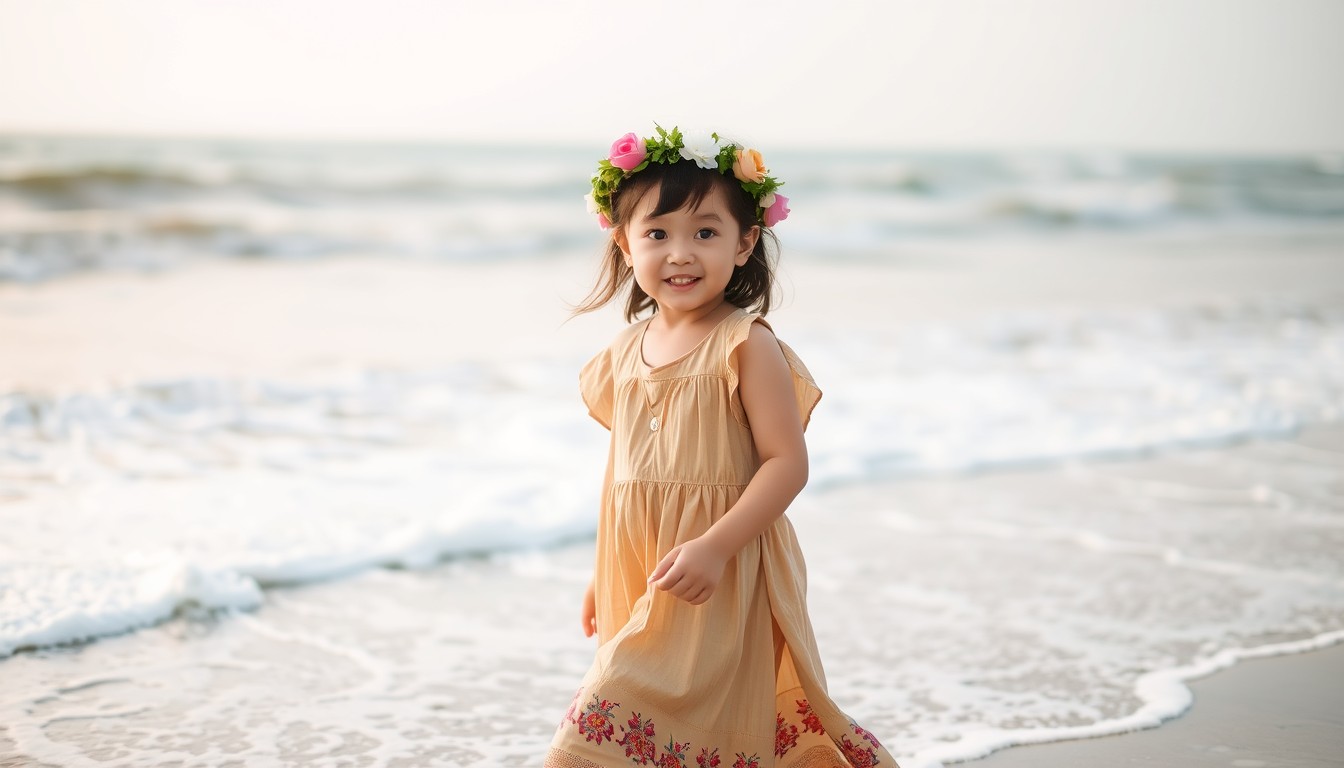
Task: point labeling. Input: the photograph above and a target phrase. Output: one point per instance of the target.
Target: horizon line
(9, 134)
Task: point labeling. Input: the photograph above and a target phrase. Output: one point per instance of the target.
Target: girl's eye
(705, 234)
(656, 234)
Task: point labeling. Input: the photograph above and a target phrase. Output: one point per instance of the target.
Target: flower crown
(630, 154)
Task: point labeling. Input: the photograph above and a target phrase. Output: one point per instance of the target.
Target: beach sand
(473, 661)
(1281, 712)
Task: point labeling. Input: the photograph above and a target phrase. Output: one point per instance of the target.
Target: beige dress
(735, 682)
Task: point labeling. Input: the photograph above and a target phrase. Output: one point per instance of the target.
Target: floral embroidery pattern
(596, 723)
(858, 755)
(786, 736)
(674, 757)
(811, 723)
(573, 707)
(866, 735)
(638, 740)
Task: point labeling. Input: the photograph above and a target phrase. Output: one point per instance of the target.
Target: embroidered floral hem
(816, 757)
(613, 735)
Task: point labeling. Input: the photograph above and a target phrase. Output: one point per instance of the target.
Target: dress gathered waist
(663, 482)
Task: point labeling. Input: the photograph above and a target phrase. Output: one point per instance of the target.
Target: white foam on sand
(1260, 599)
(1033, 605)
(46, 604)
(953, 614)
(1164, 693)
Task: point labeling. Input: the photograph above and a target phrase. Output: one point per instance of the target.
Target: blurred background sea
(128, 501)
(80, 204)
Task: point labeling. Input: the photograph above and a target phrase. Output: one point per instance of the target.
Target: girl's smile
(681, 280)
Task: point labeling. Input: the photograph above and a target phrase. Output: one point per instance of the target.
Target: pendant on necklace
(654, 424)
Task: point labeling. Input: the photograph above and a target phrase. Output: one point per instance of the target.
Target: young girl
(706, 654)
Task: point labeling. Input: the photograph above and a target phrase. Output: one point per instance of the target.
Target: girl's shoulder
(805, 388)
(620, 348)
(627, 341)
(629, 334)
(597, 378)
(737, 328)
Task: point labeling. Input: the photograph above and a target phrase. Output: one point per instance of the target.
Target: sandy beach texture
(472, 662)
(1282, 712)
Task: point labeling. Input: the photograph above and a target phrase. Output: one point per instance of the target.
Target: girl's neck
(708, 314)
(664, 342)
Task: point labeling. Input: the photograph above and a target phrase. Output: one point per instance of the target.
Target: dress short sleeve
(597, 386)
(805, 390)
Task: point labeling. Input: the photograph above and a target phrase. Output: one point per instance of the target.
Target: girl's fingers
(664, 565)
(672, 582)
(691, 592)
(677, 582)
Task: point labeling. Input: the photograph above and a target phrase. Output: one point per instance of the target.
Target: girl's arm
(692, 570)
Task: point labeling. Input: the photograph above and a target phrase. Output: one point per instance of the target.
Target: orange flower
(749, 166)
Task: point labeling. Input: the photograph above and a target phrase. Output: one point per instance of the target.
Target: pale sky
(1189, 75)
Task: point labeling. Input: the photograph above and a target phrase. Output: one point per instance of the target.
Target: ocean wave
(258, 482)
(69, 205)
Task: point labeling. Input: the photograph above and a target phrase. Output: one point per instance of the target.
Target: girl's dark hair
(680, 185)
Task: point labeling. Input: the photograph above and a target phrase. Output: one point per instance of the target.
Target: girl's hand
(589, 612)
(690, 571)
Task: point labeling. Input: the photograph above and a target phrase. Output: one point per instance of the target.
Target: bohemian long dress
(737, 681)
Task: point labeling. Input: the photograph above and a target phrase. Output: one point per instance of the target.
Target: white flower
(766, 201)
(701, 148)
(592, 204)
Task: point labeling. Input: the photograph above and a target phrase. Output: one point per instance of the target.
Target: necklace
(655, 420)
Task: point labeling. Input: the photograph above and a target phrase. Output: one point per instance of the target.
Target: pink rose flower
(603, 221)
(777, 211)
(627, 152)
(749, 166)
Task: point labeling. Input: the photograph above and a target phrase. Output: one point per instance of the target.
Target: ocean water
(127, 503)
(69, 205)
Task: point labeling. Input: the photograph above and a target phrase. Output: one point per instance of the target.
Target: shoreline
(338, 669)
(1266, 710)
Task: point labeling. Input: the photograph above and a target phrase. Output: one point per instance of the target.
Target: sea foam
(241, 484)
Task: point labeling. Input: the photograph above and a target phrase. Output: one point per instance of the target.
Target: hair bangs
(684, 185)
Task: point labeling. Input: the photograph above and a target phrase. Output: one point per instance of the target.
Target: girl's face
(684, 259)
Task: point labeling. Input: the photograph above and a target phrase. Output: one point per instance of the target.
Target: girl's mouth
(681, 281)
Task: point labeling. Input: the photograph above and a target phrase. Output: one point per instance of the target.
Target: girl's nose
(679, 254)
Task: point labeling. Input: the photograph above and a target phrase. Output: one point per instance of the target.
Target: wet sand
(1280, 712)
